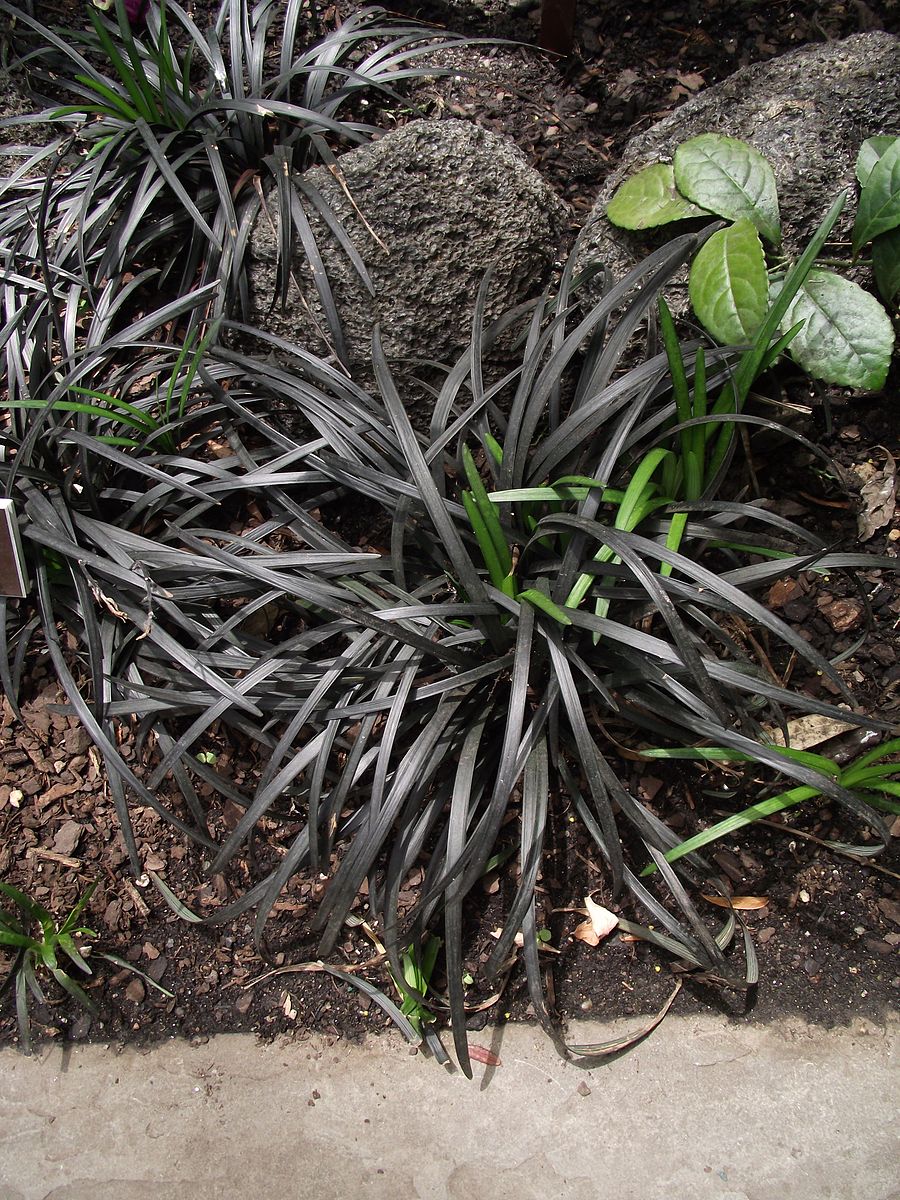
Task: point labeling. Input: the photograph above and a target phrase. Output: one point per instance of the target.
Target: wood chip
(52, 856)
(136, 898)
(842, 615)
(67, 837)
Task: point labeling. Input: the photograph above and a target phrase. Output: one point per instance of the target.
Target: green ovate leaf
(869, 153)
(730, 178)
(879, 200)
(729, 287)
(847, 337)
(886, 264)
(650, 198)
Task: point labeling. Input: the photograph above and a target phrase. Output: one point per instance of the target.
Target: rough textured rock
(807, 111)
(447, 200)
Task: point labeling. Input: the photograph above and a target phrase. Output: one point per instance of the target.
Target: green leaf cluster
(41, 951)
(841, 334)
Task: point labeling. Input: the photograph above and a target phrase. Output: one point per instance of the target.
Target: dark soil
(829, 926)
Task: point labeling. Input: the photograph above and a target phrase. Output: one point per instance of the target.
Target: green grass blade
(765, 808)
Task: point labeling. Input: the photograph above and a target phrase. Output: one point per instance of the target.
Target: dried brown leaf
(879, 497)
(744, 902)
(603, 921)
(585, 933)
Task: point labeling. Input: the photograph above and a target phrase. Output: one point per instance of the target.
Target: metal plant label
(13, 578)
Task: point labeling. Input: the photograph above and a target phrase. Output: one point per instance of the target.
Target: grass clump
(559, 549)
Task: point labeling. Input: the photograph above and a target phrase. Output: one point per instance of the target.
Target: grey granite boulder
(446, 201)
(807, 112)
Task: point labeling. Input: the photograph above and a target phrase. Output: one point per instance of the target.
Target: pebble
(135, 992)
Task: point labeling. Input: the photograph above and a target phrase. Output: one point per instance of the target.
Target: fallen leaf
(890, 909)
(806, 732)
(745, 902)
(600, 924)
(585, 933)
(692, 81)
(480, 1054)
(879, 498)
(603, 921)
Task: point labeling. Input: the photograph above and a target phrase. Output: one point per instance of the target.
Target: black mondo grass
(553, 557)
(557, 554)
(177, 140)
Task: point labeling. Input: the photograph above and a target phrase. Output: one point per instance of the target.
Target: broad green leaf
(730, 178)
(879, 200)
(869, 153)
(886, 264)
(650, 198)
(729, 288)
(847, 337)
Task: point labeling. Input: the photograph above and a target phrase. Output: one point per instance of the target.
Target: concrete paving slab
(704, 1110)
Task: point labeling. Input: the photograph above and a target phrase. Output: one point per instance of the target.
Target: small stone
(135, 992)
(243, 1002)
(583, 1089)
(877, 946)
(157, 968)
